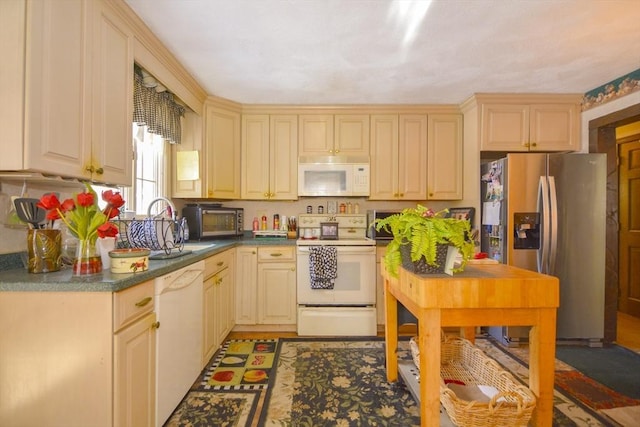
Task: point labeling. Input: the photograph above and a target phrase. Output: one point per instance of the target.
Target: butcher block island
(482, 295)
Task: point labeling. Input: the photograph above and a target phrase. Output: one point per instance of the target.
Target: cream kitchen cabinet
(222, 152)
(521, 122)
(277, 285)
(134, 348)
(218, 302)
(78, 358)
(269, 157)
(246, 285)
(67, 95)
(334, 135)
(444, 157)
(398, 157)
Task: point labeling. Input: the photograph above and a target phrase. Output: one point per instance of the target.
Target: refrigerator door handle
(553, 235)
(543, 208)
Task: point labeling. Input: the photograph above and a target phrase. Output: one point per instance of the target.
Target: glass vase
(87, 259)
(44, 250)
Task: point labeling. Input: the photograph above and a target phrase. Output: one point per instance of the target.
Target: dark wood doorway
(602, 139)
(629, 246)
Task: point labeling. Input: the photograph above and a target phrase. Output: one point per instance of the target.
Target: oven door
(355, 284)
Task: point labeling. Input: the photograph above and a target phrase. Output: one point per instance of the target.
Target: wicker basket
(461, 361)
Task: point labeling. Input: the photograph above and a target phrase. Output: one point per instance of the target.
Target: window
(148, 170)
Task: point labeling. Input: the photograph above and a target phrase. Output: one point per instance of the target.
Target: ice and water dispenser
(526, 229)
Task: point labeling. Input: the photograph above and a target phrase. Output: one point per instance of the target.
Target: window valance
(157, 110)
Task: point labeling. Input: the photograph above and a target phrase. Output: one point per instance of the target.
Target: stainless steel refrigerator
(546, 212)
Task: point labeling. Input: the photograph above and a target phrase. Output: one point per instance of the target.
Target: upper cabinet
(68, 90)
(222, 151)
(444, 157)
(398, 157)
(520, 122)
(112, 98)
(334, 135)
(269, 157)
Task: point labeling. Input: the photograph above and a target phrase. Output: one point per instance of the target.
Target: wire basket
(156, 234)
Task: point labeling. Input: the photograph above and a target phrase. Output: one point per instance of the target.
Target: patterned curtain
(157, 110)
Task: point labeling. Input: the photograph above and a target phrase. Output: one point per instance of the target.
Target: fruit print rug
(241, 365)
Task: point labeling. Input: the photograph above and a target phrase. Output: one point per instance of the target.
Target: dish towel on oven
(323, 266)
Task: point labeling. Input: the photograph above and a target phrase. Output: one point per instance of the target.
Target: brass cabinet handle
(144, 302)
(99, 171)
(336, 151)
(220, 263)
(533, 144)
(155, 325)
(276, 254)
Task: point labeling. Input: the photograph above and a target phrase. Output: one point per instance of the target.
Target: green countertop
(19, 280)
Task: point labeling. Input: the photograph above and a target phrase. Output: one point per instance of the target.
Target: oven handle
(343, 249)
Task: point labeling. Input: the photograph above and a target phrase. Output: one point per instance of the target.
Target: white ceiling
(393, 52)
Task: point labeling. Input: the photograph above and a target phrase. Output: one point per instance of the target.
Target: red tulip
(49, 202)
(108, 229)
(85, 199)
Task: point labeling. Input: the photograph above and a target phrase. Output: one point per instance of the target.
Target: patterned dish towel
(323, 266)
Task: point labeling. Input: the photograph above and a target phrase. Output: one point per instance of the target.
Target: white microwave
(333, 176)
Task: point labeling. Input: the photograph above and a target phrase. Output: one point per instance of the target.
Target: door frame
(602, 139)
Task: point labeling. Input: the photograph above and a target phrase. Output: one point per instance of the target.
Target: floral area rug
(342, 382)
(336, 383)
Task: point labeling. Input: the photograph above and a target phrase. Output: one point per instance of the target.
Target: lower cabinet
(277, 285)
(78, 358)
(218, 302)
(266, 278)
(380, 252)
(134, 373)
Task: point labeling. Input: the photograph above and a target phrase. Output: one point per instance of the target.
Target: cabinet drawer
(216, 263)
(276, 254)
(132, 303)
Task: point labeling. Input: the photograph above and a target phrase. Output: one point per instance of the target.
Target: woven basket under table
(462, 361)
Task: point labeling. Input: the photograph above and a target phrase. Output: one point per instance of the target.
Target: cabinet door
(554, 127)
(412, 157)
(209, 331)
(255, 180)
(444, 154)
(57, 78)
(384, 157)
(505, 127)
(351, 135)
(283, 157)
(191, 141)
(277, 293)
(246, 287)
(225, 303)
(380, 312)
(316, 134)
(112, 99)
(222, 142)
(135, 374)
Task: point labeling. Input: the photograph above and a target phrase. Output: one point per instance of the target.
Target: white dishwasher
(178, 305)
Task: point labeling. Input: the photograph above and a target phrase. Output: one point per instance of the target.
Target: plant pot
(421, 266)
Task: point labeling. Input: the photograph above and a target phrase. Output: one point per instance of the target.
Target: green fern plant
(424, 229)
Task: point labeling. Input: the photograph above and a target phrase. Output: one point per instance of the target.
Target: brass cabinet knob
(143, 302)
(99, 171)
(155, 325)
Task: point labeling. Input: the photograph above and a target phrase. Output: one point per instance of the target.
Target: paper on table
(187, 165)
(491, 213)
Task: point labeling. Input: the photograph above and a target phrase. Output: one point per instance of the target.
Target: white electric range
(349, 308)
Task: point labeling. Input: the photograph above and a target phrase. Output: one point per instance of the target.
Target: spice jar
(276, 222)
(256, 225)
(264, 222)
(320, 209)
(343, 208)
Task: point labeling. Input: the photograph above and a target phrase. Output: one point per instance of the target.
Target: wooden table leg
(542, 352)
(391, 333)
(429, 344)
